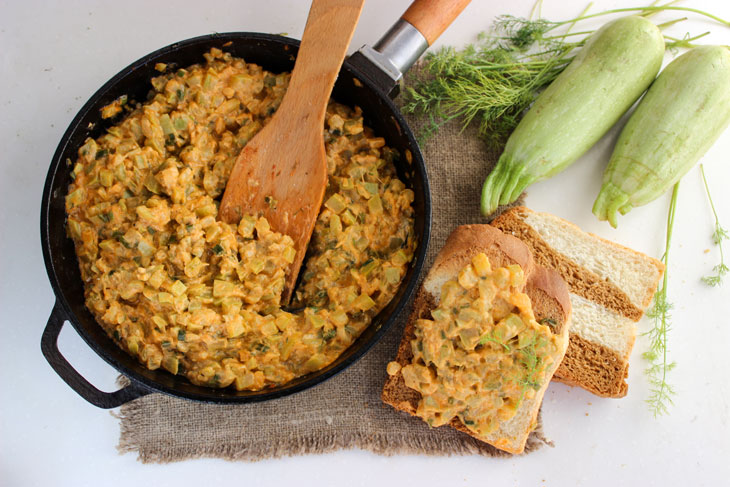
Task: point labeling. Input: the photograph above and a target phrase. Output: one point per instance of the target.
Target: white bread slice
(610, 288)
(549, 296)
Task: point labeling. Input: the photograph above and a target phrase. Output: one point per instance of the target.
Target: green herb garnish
(533, 365)
(119, 236)
(218, 249)
(661, 392)
(493, 81)
(489, 338)
(319, 299)
(549, 322)
(718, 236)
(271, 201)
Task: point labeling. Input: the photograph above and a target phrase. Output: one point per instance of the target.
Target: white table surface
(54, 55)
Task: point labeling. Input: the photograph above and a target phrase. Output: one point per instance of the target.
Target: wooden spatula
(282, 172)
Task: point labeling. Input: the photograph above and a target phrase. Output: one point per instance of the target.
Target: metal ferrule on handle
(420, 25)
(387, 61)
(401, 46)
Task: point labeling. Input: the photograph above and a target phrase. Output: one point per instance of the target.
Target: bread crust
(468, 240)
(587, 364)
(544, 286)
(581, 281)
(593, 367)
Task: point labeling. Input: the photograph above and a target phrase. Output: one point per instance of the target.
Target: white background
(54, 55)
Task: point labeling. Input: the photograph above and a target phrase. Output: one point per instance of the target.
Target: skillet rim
(219, 395)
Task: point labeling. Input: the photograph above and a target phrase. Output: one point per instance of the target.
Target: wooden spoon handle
(326, 37)
(432, 17)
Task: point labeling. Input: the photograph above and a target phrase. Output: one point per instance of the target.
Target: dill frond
(660, 396)
(718, 235)
(533, 365)
(493, 81)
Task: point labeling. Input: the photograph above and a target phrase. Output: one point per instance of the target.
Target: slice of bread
(610, 288)
(547, 291)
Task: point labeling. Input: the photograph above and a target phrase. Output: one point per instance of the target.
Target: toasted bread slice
(549, 296)
(610, 288)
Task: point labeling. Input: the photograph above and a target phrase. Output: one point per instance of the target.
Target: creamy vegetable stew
(482, 353)
(181, 290)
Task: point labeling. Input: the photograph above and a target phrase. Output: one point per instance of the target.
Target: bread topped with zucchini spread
(488, 329)
(610, 288)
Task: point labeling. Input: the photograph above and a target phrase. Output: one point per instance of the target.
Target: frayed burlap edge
(390, 444)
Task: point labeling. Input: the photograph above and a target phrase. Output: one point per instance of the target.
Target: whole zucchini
(616, 65)
(681, 116)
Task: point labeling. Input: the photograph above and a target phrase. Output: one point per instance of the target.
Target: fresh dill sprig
(660, 397)
(493, 81)
(718, 236)
(532, 363)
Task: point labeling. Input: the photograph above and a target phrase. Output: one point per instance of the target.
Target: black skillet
(368, 79)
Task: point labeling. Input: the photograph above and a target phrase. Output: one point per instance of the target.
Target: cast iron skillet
(275, 53)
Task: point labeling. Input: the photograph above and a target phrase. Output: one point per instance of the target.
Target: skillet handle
(49, 347)
(385, 63)
(432, 17)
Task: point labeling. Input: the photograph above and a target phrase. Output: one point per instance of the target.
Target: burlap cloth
(344, 412)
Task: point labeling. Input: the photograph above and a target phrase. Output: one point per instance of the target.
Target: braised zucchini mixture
(483, 352)
(181, 290)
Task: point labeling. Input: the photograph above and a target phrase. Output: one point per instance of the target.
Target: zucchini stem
(610, 199)
(493, 187)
